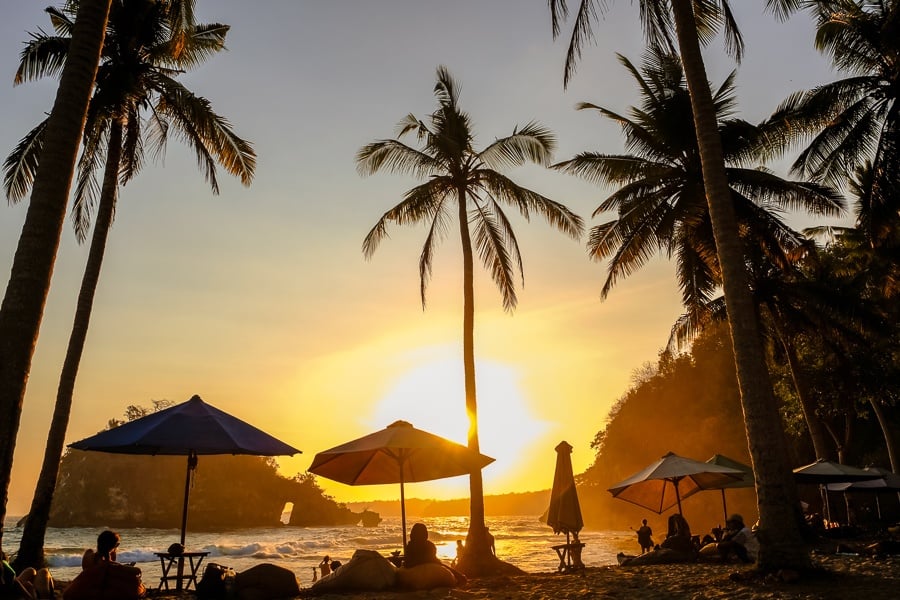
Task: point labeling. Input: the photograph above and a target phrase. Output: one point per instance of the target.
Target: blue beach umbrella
(188, 429)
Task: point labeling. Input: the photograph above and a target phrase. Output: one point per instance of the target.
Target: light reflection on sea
(520, 540)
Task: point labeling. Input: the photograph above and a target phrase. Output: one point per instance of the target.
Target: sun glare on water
(431, 396)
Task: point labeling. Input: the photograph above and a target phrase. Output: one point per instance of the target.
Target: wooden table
(167, 561)
(569, 556)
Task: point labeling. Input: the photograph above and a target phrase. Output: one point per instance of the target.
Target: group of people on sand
(30, 584)
(736, 542)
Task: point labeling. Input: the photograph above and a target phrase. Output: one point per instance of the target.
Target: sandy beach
(843, 577)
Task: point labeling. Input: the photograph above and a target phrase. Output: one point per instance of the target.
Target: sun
(431, 396)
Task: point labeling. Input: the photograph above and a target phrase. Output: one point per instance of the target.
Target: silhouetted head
(644, 522)
(418, 532)
(107, 542)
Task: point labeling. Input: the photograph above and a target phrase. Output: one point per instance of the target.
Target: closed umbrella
(399, 453)
(662, 484)
(746, 480)
(564, 513)
(188, 429)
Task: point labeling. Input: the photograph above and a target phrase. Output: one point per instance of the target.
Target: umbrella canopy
(187, 429)
(663, 484)
(826, 471)
(564, 514)
(888, 482)
(746, 480)
(399, 453)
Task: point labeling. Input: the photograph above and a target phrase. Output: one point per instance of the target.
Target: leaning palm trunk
(31, 548)
(814, 425)
(888, 433)
(32, 269)
(779, 533)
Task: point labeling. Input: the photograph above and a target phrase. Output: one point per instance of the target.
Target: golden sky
(260, 301)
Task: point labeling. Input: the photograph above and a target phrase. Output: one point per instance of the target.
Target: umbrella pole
(403, 508)
(191, 465)
(677, 496)
(724, 506)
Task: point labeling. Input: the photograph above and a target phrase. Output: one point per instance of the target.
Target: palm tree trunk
(32, 269)
(888, 433)
(813, 423)
(31, 548)
(781, 544)
(476, 543)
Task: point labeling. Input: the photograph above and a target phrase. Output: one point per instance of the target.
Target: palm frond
(440, 224)
(42, 56)
(491, 246)
(207, 133)
(502, 189)
(21, 165)
(396, 157)
(533, 143)
(421, 202)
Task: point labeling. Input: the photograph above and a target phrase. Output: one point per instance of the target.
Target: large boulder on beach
(367, 570)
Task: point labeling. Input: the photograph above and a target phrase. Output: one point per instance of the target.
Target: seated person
(738, 541)
(30, 584)
(678, 537)
(421, 551)
(102, 575)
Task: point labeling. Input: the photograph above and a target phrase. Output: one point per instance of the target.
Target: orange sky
(260, 301)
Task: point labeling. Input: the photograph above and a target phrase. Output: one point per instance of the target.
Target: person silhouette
(645, 537)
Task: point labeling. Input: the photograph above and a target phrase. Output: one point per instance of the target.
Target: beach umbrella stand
(399, 453)
(564, 512)
(188, 429)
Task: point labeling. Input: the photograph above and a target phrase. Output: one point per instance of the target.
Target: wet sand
(843, 577)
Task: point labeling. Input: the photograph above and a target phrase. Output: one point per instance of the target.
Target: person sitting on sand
(645, 537)
(738, 540)
(102, 576)
(30, 584)
(678, 537)
(420, 550)
(490, 539)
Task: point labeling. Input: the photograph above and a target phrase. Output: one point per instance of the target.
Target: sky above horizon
(260, 300)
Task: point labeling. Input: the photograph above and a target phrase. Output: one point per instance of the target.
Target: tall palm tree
(693, 21)
(856, 119)
(29, 281)
(661, 204)
(148, 43)
(459, 175)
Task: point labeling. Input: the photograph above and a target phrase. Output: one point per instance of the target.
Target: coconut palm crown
(661, 204)
(458, 175)
(148, 44)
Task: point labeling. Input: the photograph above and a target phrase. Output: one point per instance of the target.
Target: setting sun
(431, 397)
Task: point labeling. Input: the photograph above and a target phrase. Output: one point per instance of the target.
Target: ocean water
(522, 541)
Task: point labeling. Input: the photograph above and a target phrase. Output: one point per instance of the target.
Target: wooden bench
(569, 556)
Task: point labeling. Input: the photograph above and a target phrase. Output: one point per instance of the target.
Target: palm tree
(661, 204)
(29, 281)
(146, 42)
(458, 174)
(693, 20)
(856, 119)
